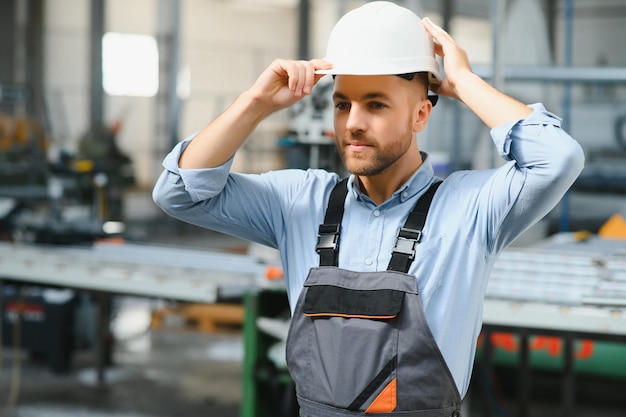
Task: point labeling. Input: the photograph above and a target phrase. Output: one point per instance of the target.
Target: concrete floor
(155, 373)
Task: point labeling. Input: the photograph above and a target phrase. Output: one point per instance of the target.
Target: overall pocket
(352, 346)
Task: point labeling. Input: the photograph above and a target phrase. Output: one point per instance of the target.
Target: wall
(225, 48)
(66, 73)
(599, 31)
(226, 44)
(7, 28)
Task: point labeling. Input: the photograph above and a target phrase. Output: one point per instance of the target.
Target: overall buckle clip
(407, 240)
(328, 237)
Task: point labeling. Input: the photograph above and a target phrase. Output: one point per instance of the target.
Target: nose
(356, 120)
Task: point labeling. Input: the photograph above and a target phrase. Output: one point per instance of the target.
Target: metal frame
(557, 74)
(149, 271)
(524, 328)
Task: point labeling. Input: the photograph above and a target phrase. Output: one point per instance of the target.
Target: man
(386, 306)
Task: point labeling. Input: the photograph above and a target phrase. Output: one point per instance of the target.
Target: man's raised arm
(281, 84)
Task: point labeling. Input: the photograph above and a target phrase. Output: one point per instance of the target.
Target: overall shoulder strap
(328, 238)
(410, 234)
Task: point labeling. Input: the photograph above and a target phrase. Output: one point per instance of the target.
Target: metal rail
(557, 74)
(542, 317)
(142, 270)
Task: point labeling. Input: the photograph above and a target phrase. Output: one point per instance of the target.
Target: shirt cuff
(201, 184)
(503, 134)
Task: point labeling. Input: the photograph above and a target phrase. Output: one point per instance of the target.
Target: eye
(377, 105)
(342, 105)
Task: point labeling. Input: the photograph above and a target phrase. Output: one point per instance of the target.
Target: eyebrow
(368, 96)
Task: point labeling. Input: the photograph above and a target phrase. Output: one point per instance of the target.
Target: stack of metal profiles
(563, 288)
(133, 269)
(591, 272)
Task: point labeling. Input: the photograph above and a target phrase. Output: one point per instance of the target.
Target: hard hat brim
(407, 66)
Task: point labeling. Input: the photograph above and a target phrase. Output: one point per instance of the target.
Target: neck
(379, 188)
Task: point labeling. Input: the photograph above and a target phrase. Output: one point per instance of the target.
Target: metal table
(107, 269)
(563, 287)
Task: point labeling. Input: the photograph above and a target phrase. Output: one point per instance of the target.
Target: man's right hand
(285, 82)
(279, 86)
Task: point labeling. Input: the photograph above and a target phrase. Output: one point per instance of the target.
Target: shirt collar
(421, 179)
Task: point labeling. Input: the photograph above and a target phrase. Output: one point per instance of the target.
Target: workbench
(106, 269)
(568, 289)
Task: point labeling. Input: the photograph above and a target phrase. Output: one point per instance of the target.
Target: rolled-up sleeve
(200, 184)
(178, 191)
(505, 134)
(543, 163)
(539, 144)
(250, 206)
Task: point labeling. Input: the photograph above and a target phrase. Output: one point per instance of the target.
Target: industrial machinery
(310, 142)
(63, 199)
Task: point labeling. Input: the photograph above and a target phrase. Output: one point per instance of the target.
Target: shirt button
(368, 261)
(376, 213)
(405, 194)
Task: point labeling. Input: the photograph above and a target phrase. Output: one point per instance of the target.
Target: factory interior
(110, 307)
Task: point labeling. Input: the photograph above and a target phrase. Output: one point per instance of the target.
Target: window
(130, 65)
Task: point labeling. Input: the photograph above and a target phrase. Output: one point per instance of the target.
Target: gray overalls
(359, 342)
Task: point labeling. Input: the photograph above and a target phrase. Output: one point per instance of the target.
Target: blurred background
(94, 94)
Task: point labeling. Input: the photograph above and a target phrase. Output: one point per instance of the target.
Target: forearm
(490, 105)
(218, 141)
(281, 84)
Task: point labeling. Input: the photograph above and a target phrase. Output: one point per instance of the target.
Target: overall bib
(359, 342)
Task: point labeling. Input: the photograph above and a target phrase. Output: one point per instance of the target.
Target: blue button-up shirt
(474, 215)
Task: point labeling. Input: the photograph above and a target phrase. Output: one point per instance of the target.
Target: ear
(421, 114)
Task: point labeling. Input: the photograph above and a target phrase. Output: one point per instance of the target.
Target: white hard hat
(381, 38)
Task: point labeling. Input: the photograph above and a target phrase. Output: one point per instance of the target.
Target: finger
(429, 26)
(321, 64)
(297, 76)
(438, 34)
(438, 49)
(310, 79)
(301, 81)
(289, 69)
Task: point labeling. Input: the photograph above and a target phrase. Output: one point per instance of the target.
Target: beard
(375, 159)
